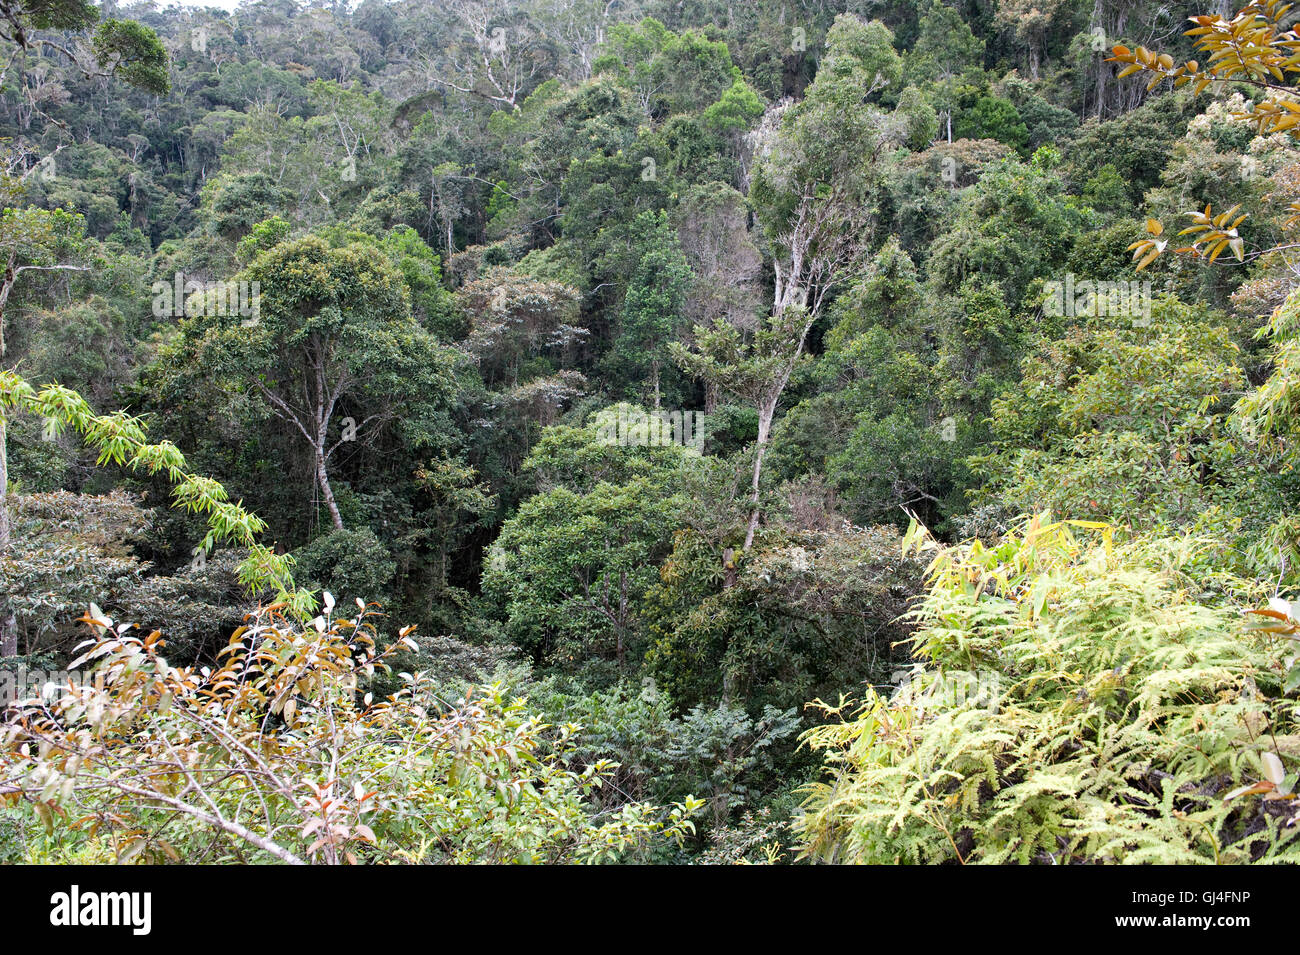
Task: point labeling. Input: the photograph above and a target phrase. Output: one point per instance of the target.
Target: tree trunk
(324, 410)
(765, 415)
(323, 479)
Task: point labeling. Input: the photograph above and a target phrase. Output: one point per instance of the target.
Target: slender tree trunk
(767, 412)
(323, 479)
(765, 415)
(324, 409)
(654, 375)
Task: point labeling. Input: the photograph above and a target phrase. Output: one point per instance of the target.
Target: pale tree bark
(498, 66)
(820, 243)
(323, 480)
(313, 422)
(765, 416)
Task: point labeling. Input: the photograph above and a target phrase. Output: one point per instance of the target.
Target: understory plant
(1076, 700)
(280, 754)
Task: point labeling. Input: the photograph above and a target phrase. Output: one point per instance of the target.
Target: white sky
(163, 4)
(220, 4)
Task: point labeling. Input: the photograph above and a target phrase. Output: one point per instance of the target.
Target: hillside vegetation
(652, 431)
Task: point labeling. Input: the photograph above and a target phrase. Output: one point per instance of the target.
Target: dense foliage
(794, 430)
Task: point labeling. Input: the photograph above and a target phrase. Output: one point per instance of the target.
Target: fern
(1131, 700)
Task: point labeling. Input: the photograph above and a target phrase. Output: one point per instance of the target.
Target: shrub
(279, 755)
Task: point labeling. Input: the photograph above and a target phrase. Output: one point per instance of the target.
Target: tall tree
(332, 340)
(655, 299)
(123, 48)
(498, 52)
(811, 188)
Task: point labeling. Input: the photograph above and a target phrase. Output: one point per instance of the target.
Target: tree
(655, 298)
(878, 426)
(332, 338)
(573, 569)
(1029, 23)
(1251, 48)
(497, 53)
(945, 45)
(514, 318)
(811, 190)
(754, 368)
(569, 569)
(714, 235)
(945, 52)
(123, 48)
(667, 72)
(580, 26)
(334, 155)
(71, 549)
(1140, 436)
(993, 118)
(736, 110)
(34, 243)
(811, 183)
(119, 439)
(814, 608)
(1014, 225)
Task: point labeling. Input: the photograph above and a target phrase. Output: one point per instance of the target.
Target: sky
(162, 4)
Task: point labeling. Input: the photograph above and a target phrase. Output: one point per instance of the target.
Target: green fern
(1131, 700)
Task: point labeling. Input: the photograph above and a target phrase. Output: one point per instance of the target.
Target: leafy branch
(120, 439)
